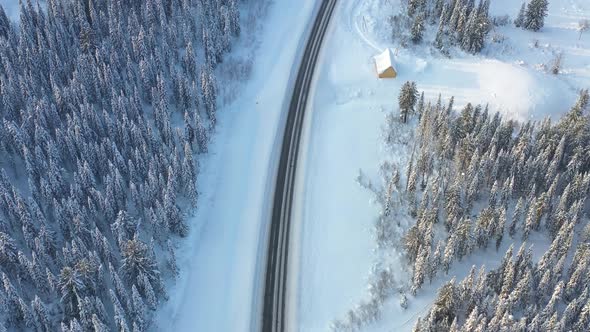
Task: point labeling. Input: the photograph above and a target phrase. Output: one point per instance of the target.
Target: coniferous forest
(471, 184)
(103, 107)
(482, 180)
(474, 181)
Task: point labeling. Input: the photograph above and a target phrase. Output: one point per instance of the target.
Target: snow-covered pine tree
(535, 14)
(439, 38)
(407, 99)
(455, 13)
(418, 27)
(520, 18)
(416, 7)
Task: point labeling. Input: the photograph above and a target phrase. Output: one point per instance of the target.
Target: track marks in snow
(358, 24)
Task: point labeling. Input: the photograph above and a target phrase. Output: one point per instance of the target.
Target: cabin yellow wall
(389, 73)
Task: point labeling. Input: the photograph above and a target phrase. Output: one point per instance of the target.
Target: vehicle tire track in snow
(353, 25)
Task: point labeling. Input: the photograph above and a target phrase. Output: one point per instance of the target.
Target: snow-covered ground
(510, 75)
(222, 261)
(334, 215)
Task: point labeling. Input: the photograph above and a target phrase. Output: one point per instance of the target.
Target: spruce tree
(520, 19)
(407, 99)
(535, 14)
(418, 27)
(438, 39)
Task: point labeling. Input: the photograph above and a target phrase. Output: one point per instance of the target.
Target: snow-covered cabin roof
(384, 61)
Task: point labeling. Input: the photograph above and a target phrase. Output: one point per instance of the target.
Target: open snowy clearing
(222, 260)
(343, 134)
(510, 76)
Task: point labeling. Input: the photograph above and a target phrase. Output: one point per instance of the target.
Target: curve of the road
(273, 318)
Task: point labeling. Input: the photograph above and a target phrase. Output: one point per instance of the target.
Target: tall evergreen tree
(535, 14)
(407, 99)
(418, 27)
(520, 18)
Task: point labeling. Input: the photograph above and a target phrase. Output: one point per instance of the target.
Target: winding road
(275, 290)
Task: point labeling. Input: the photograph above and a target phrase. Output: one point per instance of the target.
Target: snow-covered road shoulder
(222, 260)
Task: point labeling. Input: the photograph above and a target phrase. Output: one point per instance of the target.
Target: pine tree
(416, 7)
(456, 12)
(516, 217)
(435, 262)
(420, 267)
(7, 250)
(531, 219)
(449, 253)
(75, 326)
(520, 19)
(499, 229)
(202, 138)
(583, 320)
(462, 24)
(570, 313)
(420, 107)
(97, 325)
(171, 258)
(418, 27)
(208, 85)
(139, 312)
(535, 14)
(476, 31)
(438, 39)
(70, 285)
(550, 308)
(521, 294)
(4, 23)
(407, 99)
(136, 261)
(150, 296)
(40, 314)
(119, 317)
(472, 320)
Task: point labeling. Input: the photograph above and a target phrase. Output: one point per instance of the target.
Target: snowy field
(348, 106)
(222, 261)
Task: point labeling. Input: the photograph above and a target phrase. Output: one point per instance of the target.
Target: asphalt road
(273, 319)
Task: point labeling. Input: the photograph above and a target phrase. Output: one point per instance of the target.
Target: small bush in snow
(583, 26)
(498, 38)
(403, 301)
(501, 21)
(556, 64)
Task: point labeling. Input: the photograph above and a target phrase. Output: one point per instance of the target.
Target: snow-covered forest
(475, 180)
(461, 23)
(104, 107)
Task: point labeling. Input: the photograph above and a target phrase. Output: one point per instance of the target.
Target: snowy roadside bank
(222, 260)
